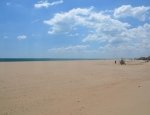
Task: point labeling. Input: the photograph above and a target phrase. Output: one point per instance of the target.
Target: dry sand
(74, 88)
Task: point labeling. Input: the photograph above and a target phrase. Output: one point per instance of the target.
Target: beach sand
(74, 88)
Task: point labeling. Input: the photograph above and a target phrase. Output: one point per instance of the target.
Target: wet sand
(74, 88)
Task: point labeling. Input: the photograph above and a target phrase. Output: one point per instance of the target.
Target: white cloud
(103, 28)
(68, 49)
(73, 51)
(67, 21)
(133, 42)
(56, 2)
(140, 12)
(97, 25)
(21, 37)
(85, 18)
(140, 32)
(46, 4)
(42, 4)
(125, 50)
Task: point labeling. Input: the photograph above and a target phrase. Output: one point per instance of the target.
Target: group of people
(122, 62)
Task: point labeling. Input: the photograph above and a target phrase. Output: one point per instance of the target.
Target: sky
(74, 28)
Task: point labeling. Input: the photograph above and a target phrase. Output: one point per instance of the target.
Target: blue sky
(74, 28)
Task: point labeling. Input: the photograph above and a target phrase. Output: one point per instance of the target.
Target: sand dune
(74, 88)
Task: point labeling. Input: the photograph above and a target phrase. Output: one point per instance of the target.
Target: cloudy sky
(74, 28)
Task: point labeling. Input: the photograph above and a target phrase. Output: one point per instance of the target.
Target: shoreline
(55, 59)
(43, 59)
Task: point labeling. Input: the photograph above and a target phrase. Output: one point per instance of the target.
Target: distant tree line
(143, 58)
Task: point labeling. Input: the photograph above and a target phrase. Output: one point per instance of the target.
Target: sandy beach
(74, 88)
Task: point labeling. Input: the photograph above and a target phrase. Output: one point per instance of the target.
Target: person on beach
(122, 62)
(115, 62)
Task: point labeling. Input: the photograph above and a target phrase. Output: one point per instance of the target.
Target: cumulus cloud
(21, 37)
(103, 28)
(97, 25)
(140, 32)
(85, 18)
(67, 21)
(132, 42)
(140, 12)
(46, 4)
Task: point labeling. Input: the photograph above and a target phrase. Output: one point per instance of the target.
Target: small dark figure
(115, 62)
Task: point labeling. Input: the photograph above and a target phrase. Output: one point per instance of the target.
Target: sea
(42, 59)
